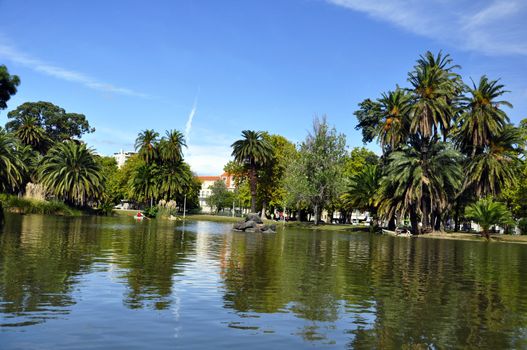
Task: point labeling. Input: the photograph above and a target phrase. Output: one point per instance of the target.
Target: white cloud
(490, 27)
(211, 154)
(12, 54)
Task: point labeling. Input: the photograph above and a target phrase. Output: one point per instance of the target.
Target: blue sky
(234, 65)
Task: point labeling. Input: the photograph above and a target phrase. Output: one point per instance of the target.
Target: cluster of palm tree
(68, 171)
(162, 172)
(444, 144)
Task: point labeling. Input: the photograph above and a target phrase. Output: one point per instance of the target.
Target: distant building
(121, 157)
(207, 182)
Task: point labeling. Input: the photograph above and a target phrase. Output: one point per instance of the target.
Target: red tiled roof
(208, 178)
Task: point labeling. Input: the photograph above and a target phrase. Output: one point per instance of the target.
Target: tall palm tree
(143, 184)
(393, 129)
(171, 146)
(425, 182)
(174, 179)
(483, 118)
(32, 134)
(253, 151)
(71, 171)
(435, 87)
(12, 168)
(488, 172)
(487, 213)
(145, 144)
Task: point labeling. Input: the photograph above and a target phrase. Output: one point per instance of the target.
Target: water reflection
(294, 287)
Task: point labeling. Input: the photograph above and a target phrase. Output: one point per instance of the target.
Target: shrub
(522, 225)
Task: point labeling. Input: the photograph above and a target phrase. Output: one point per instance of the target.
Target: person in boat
(139, 214)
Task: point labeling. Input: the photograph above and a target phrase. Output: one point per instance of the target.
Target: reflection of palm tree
(70, 171)
(253, 151)
(146, 145)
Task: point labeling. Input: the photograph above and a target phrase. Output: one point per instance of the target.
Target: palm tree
(32, 134)
(174, 179)
(146, 145)
(483, 119)
(435, 87)
(252, 151)
(394, 127)
(143, 184)
(12, 168)
(70, 171)
(425, 182)
(361, 193)
(171, 146)
(486, 213)
(495, 168)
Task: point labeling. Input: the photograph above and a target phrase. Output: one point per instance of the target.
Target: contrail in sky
(188, 126)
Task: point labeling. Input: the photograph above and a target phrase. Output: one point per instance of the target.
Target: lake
(112, 283)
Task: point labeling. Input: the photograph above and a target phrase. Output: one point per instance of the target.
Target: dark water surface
(111, 283)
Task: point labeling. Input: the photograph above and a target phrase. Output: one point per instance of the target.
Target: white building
(207, 182)
(121, 157)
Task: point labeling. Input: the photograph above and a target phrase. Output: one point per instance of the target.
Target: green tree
(220, 196)
(424, 185)
(8, 85)
(12, 168)
(253, 151)
(71, 172)
(362, 190)
(483, 119)
(30, 133)
(171, 146)
(145, 144)
(319, 168)
(143, 185)
(394, 128)
(486, 212)
(56, 122)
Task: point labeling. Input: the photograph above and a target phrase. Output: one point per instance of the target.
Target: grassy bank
(14, 204)
(475, 237)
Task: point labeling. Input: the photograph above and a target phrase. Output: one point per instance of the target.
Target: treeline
(40, 145)
(449, 154)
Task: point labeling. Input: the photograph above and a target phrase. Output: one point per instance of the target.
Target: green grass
(32, 206)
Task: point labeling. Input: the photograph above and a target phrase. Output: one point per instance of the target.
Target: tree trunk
(391, 223)
(252, 184)
(437, 225)
(316, 214)
(413, 221)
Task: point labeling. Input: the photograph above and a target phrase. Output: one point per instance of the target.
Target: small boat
(404, 233)
(139, 217)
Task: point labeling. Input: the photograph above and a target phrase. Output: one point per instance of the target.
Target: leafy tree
(12, 168)
(424, 185)
(145, 144)
(486, 212)
(361, 193)
(220, 196)
(71, 172)
(8, 85)
(357, 160)
(253, 151)
(319, 167)
(112, 194)
(54, 120)
(483, 119)
(171, 146)
(143, 184)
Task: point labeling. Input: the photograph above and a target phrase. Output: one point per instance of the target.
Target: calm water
(111, 283)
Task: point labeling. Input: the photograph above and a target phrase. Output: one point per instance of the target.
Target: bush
(522, 225)
(33, 206)
(151, 212)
